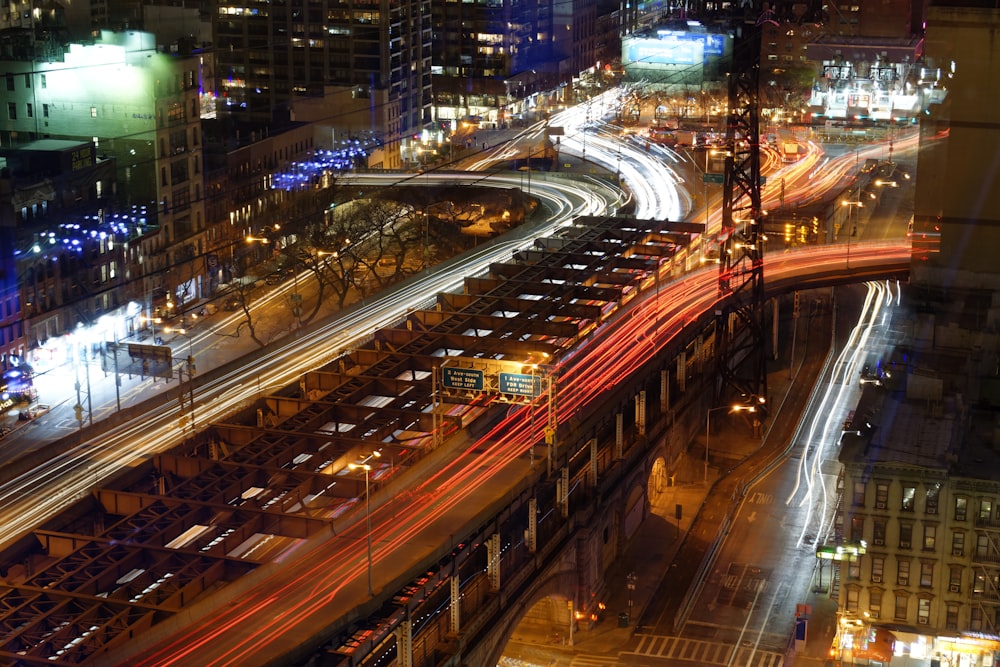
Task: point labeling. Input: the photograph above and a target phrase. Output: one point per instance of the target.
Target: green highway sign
(462, 378)
(520, 384)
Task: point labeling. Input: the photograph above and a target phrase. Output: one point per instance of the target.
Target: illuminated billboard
(712, 44)
(670, 51)
(676, 57)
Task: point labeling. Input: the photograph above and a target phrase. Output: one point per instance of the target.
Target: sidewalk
(654, 545)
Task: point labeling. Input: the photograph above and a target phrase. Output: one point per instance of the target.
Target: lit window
(961, 506)
(933, 494)
(875, 603)
(859, 494)
(924, 610)
(878, 565)
(909, 494)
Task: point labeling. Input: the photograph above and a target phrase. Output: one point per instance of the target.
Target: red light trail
(270, 618)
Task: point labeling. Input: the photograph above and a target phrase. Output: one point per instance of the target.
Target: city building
(268, 56)
(139, 104)
(921, 493)
(957, 207)
(67, 248)
(241, 196)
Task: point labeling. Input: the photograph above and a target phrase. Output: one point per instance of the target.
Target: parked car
(233, 303)
(273, 278)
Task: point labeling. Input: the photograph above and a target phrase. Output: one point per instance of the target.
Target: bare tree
(372, 224)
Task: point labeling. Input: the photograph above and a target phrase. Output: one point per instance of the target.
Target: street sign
(469, 379)
(520, 384)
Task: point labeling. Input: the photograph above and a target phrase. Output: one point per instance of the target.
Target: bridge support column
(454, 608)
(562, 492)
(682, 370)
(493, 561)
(619, 436)
(404, 644)
(774, 330)
(553, 424)
(664, 390)
(592, 472)
(572, 621)
(437, 438)
(531, 532)
(640, 412)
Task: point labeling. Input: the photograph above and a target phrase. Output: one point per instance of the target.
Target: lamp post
(851, 228)
(364, 465)
(152, 322)
(749, 407)
(295, 297)
(427, 232)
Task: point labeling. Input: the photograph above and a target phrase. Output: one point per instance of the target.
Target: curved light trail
(32, 497)
(820, 438)
(332, 572)
(333, 569)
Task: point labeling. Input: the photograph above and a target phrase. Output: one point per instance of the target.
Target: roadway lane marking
(702, 652)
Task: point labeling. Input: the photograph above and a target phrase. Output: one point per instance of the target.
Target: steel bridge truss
(251, 488)
(742, 360)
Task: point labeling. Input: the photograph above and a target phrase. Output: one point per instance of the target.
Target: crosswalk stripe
(702, 652)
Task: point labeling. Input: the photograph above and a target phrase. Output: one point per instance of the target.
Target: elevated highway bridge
(252, 542)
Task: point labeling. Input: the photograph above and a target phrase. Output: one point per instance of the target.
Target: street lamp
(851, 228)
(739, 407)
(152, 322)
(364, 465)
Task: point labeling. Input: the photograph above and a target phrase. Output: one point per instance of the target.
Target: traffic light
(78, 411)
(191, 368)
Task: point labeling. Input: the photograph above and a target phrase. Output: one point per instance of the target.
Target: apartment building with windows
(921, 481)
(138, 104)
(270, 54)
(921, 495)
(921, 474)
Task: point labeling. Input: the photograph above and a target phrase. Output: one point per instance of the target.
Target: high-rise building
(268, 54)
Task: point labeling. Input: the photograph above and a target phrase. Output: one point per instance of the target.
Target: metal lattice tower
(741, 346)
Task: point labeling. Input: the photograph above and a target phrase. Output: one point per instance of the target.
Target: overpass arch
(541, 616)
